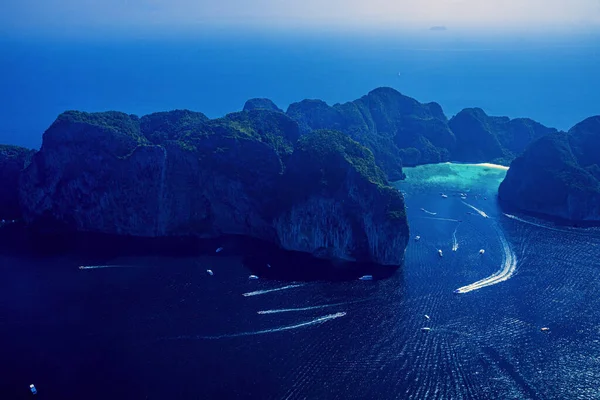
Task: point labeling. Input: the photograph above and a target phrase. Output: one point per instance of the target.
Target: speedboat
(481, 251)
(219, 249)
(209, 271)
(545, 329)
(417, 238)
(366, 278)
(445, 196)
(33, 389)
(253, 277)
(426, 316)
(425, 329)
(456, 291)
(440, 253)
(268, 265)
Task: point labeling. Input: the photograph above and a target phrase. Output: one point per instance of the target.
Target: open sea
(162, 328)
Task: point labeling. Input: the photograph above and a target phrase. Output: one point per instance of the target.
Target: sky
(85, 17)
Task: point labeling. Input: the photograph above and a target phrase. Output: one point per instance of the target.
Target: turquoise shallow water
(163, 328)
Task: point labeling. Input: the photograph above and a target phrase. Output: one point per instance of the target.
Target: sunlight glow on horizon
(84, 16)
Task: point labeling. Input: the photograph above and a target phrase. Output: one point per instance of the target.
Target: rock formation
(558, 175)
(179, 173)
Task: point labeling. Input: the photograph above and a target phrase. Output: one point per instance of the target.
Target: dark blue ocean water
(552, 80)
(158, 328)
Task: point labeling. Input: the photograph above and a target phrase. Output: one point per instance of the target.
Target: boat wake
(454, 240)
(315, 321)
(535, 224)
(428, 212)
(259, 292)
(509, 266)
(441, 219)
(284, 310)
(483, 214)
(105, 266)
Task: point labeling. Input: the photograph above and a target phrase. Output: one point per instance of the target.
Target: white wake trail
(509, 266)
(259, 292)
(483, 214)
(428, 212)
(441, 219)
(106, 266)
(284, 310)
(535, 224)
(454, 240)
(315, 321)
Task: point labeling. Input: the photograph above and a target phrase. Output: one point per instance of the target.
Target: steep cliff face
(396, 128)
(558, 175)
(483, 138)
(179, 173)
(340, 204)
(12, 161)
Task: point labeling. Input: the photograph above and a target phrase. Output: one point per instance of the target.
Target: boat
(481, 251)
(545, 329)
(366, 278)
(425, 329)
(445, 196)
(209, 271)
(456, 291)
(417, 238)
(268, 265)
(253, 277)
(33, 389)
(440, 253)
(426, 316)
(219, 250)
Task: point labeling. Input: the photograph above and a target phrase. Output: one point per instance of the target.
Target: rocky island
(313, 179)
(558, 175)
(250, 173)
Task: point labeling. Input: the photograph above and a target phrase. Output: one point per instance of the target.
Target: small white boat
(545, 329)
(440, 253)
(219, 250)
(366, 278)
(209, 271)
(426, 316)
(425, 329)
(33, 389)
(481, 251)
(268, 265)
(445, 196)
(253, 277)
(417, 238)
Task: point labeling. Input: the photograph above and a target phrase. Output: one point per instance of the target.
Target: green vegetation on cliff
(12, 161)
(558, 174)
(483, 138)
(400, 131)
(386, 122)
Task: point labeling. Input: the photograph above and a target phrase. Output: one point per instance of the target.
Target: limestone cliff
(396, 128)
(180, 173)
(558, 175)
(340, 205)
(484, 138)
(12, 161)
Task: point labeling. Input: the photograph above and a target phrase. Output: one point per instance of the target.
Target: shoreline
(486, 165)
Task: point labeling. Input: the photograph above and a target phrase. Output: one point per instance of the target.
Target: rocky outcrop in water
(12, 161)
(179, 173)
(558, 175)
